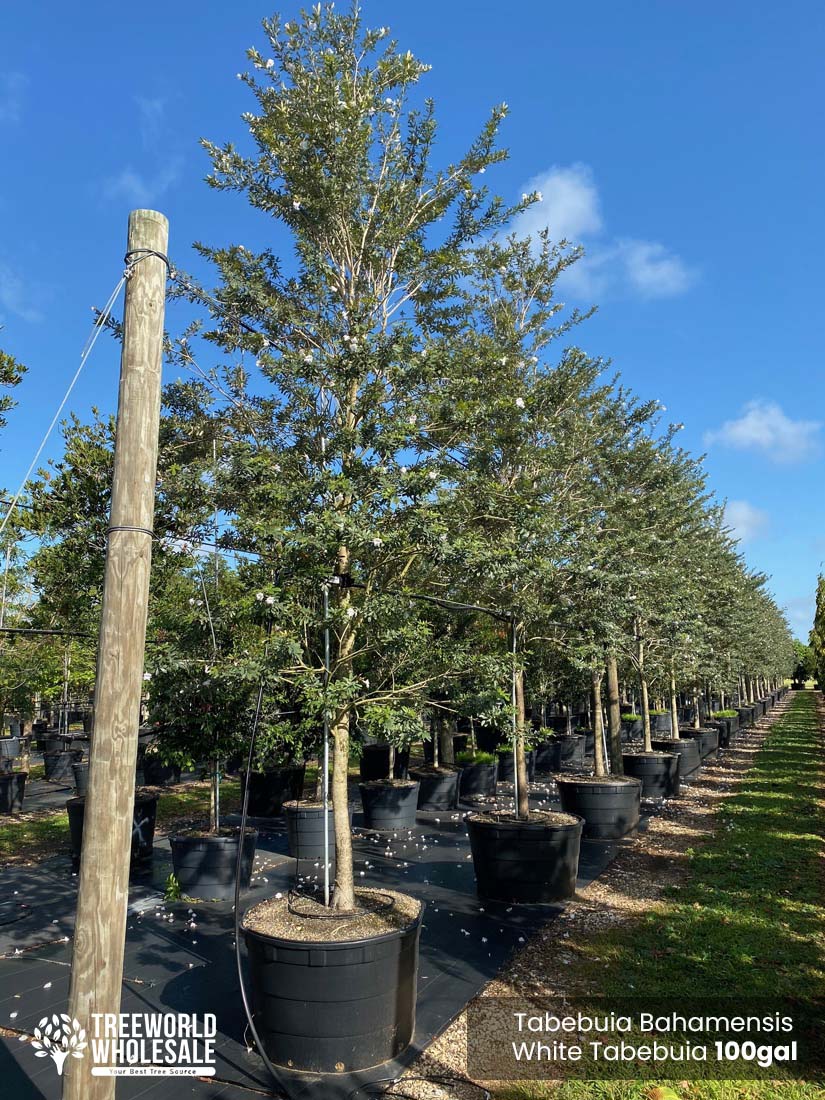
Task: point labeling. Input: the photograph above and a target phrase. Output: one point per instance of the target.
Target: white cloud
(764, 427)
(745, 521)
(15, 297)
(12, 87)
(570, 209)
(140, 188)
(152, 113)
(569, 206)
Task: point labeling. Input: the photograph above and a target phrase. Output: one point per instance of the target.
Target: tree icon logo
(59, 1037)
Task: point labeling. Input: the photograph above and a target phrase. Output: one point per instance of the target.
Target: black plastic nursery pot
(478, 781)
(57, 766)
(437, 787)
(143, 826)
(661, 723)
(631, 727)
(747, 716)
(305, 829)
(334, 1007)
(658, 772)
(389, 804)
(10, 748)
(158, 774)
(610, 806)
(12, 790)
(707, 739)
(269, 790)
(532, 862)
(687, 749)
(374, 763)
(205, 865)
(507, 765)
(80, 772)
(548, 757)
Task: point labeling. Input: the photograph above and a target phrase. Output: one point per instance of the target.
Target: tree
(326, 478)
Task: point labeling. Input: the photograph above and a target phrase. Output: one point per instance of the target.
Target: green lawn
(749, 919)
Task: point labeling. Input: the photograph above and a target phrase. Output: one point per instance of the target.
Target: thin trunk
(599, 762)
(640, 662)
(214, 798)
(343, 894)
(614, 716)
(696, 720)
(319, 781)
(446, 747)
(674, 707)
(522, 782)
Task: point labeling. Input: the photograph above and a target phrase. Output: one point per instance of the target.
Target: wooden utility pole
(100, 927)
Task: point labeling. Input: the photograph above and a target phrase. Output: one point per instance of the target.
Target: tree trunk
(214, 798)
(674, 707)
(645, 701)
(343, 894)
(599, 762)
(614, 716)
(446, 746)
(522, 782)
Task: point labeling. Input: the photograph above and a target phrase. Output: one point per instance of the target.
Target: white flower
(403, 469)
(296, 204)
(503, 360)
(519, 402)
(377, 541)
(270, 64)
(191, 601)
(259, 596)
(345, 338)
(443, 538)
(147, 676)
(432, 475)
(481, 171)
(307, 358)
(412, 419)
(270, 600)
(539, 196)
(351, 612)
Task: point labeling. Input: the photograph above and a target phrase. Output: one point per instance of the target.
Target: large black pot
(305, 829)
(631, 727)
(686, 749)
(80, 772)
(205, 865)
(144, 816)
(437, 790)
(661, 723)
(507, 766)
(534, 862)
(269, 790)
(55, 743)
(333, 1007)
(157, 774)
(10, 748)
(572, 751)
(658, 772)
(57, 766)
(548, 757)
(389, 805)
(12, 790)
(707, 739)
(478, 780)
(374, 763)
(746, 716)
(610, 807)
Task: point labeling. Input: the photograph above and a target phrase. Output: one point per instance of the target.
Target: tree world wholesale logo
(131, 1044)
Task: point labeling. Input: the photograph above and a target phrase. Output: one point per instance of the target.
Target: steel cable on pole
(99, 325)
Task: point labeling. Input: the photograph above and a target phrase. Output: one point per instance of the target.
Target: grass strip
(748, 920)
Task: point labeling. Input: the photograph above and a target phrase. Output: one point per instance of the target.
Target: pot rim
(599, 780)
(545, 826)
(334, 945)
(185, 838)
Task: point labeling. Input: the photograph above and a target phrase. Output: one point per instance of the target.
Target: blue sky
(680, 143)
